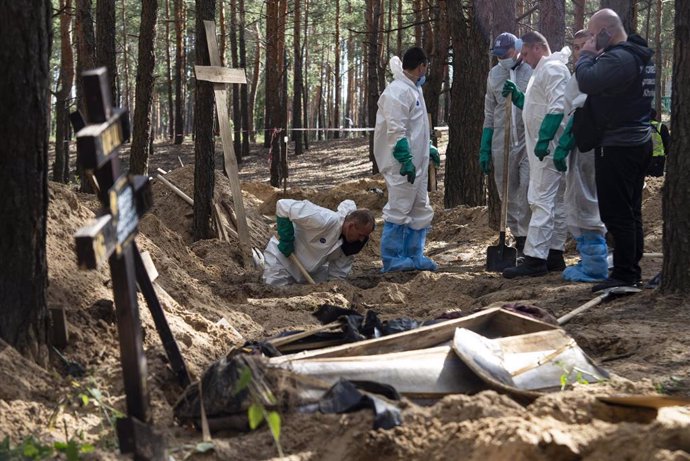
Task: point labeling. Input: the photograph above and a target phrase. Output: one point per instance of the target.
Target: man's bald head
(610, 21)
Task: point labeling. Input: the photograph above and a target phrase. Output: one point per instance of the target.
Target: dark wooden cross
(111, 236)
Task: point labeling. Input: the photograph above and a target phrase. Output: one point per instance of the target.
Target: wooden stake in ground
(220, 77)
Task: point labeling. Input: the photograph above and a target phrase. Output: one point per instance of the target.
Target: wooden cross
(220, 76)
(111, 236)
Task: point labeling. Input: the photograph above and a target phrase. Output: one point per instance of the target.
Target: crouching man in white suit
(324, 241)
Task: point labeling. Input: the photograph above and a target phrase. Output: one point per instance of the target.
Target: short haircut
(362, 217)
(413, 57)
(582, 33)
(534, 38)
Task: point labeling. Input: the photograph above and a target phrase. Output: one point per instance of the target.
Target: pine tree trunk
(552, 22)
(372, 75)
(438, 56)
(579, 14)
(297, 135)
(25, 34)
(503, 17)
(105, 45)
(254, 85)
(168, 73)
(675, 276)
(336, 105)
(626, 11)
(244, 103)
(464, 182)
(305, 92)
(179, 71)
(86, 59)
(141, 129)
(204, 143)
(61, 165)
(236, 112)
(658, 59)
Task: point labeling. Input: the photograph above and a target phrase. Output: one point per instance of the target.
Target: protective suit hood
(346, 207)
(395, 65)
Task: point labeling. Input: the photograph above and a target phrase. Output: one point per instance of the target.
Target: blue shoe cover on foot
(393, 252)
(414, 241)
(593, 266)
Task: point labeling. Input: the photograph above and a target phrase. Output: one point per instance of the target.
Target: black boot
(555, 261)
(520, 245)
(530, 267)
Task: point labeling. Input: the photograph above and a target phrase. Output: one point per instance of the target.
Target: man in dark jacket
(618, 76)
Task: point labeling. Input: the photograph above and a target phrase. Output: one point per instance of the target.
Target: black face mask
(352, 248)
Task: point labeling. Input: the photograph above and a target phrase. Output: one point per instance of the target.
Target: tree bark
(464, 182)
(61, 165)
(579, 14)
(503, 17)
(127, 102)
(626, 11)
(141, 132)
(244, 103)
(254, 84)
(86, 59)
(297, 135)
(236, 112)
(204, 143)
(25, 32)
(179, 71)
(105, 43)
(552, 22)
(675, 276)
(336, 105)
(168, 73)
(438, 57)
(372, 74)
(275, 102)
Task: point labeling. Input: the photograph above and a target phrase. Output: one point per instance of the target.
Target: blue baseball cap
(504, 43)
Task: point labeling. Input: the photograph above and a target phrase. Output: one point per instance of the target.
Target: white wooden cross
(220, 76)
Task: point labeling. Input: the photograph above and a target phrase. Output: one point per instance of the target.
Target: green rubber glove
(402, 154)
(547, 131)
(434, 155)
(485, 150)
(518, 96)
(286, 235)
(565, 145)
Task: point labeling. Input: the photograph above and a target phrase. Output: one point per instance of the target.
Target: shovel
(605, 295)
(500, 257)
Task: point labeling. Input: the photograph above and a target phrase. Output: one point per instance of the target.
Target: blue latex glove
(286, 235)
(434, 155)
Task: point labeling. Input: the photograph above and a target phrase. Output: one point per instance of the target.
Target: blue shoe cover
(593, 266)
(414, 241)
(393, 252)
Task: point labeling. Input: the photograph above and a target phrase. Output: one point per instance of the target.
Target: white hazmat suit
(518, 168)
(402, 114)
(318, 240)
(545, 95)
(582, 207)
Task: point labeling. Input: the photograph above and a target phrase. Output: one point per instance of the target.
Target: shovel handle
(301, 268)
(581, 309)
(506, 159)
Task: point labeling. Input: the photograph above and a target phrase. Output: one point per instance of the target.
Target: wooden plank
(149, 266)
(428, 336)
(176, 190)
(230, 160)
(222, 75)
(284, 340)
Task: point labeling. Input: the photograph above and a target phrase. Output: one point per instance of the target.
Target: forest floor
(641, 339)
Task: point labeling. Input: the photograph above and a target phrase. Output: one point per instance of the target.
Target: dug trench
(214, 303)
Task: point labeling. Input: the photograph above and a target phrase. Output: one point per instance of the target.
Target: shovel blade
(500, 257)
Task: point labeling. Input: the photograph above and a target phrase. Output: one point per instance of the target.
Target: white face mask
(507, 63)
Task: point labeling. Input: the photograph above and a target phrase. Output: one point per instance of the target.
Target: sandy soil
(641, 338)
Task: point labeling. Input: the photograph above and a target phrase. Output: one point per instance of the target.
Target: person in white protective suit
(581, 205)
(324, 241)
(402, 149)
(542, 112)
(506, 48)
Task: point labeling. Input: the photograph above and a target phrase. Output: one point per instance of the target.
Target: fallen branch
(176, 190)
